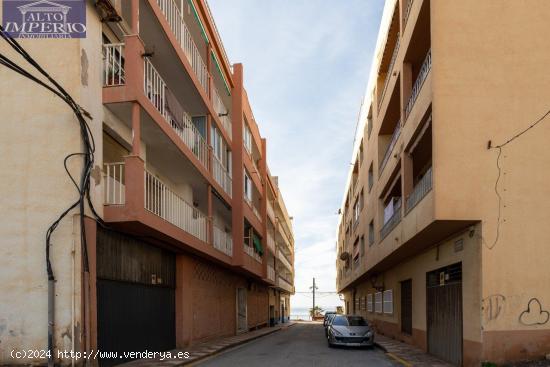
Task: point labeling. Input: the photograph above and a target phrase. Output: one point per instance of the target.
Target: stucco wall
(39, 130)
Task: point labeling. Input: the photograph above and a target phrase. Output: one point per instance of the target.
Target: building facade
(193, 242)
(441, 240)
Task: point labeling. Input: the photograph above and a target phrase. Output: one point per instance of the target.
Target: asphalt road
(300, 345)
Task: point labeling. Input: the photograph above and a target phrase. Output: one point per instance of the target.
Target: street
(300, 345)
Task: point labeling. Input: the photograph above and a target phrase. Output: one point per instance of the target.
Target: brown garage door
(444, 313)
(406, 306)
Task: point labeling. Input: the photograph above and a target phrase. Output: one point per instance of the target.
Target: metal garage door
(444, 313)
(135, 296)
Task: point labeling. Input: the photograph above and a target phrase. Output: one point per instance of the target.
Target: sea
(302, 313)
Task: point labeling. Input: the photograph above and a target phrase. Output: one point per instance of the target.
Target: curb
(225, 348)
(381, 347)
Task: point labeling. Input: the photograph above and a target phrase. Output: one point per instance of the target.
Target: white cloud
(306, 65)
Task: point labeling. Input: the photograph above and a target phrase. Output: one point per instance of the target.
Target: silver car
(352, 331)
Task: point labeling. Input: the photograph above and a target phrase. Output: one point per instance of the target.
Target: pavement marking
(400, 360)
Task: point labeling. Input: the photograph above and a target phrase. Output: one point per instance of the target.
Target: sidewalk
(406, 354)
(207, 349)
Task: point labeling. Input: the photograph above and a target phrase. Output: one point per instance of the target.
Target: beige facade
(436, 188)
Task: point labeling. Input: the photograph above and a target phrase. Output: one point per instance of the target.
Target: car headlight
(336, 332)
(368, 334)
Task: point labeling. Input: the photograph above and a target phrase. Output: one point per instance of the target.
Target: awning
(258, 245)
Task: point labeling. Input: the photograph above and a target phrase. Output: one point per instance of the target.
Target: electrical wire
(499, 168)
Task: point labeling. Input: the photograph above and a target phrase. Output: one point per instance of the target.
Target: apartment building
(442, 241)
(196, 242)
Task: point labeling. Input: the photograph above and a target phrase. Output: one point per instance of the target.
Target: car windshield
(340, 321)
(356, 321)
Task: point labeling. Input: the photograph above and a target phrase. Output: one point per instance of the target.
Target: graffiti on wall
(534, 314)
(493, 306)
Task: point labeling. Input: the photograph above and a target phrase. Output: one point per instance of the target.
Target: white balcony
(270, 210)
(249, 250)
(113, 65)
(222, 176)
(223, 241)
(114, 190)
(173, 15)
(284, 284)
(284, 261)
(165, 203)
(222, 111)
(270, 273)
(271, 243)
(166, 103)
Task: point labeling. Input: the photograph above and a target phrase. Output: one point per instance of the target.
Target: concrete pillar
(407, 183)
(134, 6)
(136, 129)
(135, 185)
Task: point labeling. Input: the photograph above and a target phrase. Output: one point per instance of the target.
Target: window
(361, 153)
(340, 320)
(356, 212)
(378, 302)
(247, 187)
(247, 138)
(362, 245)
(371, 233)
(220, 149)
(369, 302)
(388, 301)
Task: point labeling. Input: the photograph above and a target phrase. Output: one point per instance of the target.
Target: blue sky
(306, 65)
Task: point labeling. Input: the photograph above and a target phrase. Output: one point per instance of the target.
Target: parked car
(327, 315)
(327, 321)
(352, 331)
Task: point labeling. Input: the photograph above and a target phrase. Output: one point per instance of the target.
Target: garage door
(135, 296)
(444, 313)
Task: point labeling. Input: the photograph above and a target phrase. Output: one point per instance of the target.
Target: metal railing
(371, 236)
(271, 242)
(166, 103)
(420, 190)
(165, 203)
(223, 241)
(115, 191)
(407, 13)
(173, 15)
(285, 261)
(270, 273)
(222, 176)
(222, 112)
(113, 64)
(422, 75)
(389, 149)
(249, 250)
(390, 69)
(392, 221)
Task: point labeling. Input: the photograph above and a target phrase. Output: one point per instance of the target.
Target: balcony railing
(165, 203)
(285, 261)
(113, 64)
(249, 250)
(173, 15)
(222, 112)
(223, 241)
(420, 190)
(270, 273)
(222, 176)
(392, 222)
(422, 75)
(257, 212)
(114, 188)
(284, 284)
(166, 103)
(390, 147)
(271, 242)
(390, 69)
(270, 210)
(407, 13)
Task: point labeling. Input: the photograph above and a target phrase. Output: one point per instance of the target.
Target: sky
(306, 66)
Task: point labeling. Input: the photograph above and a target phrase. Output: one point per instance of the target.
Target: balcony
(284, 261)
(271, 273)
(285, 285)
(113, 65)
(222, 175)
(390, 70)
(165, 203)
(180, 30)
(166, 103)
(421, 189)
(249, 250)
(270, 210)
(222, 111)
(407, 12)
(392, 221)
(271, 243)
(223, 241)
(387, 154)
(417, 87)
